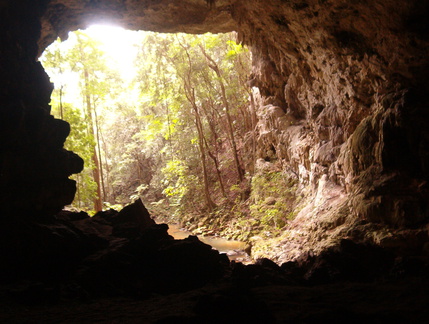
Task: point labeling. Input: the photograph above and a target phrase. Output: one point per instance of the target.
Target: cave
(340, 92)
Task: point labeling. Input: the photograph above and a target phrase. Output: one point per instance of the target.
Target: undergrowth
(268, 205)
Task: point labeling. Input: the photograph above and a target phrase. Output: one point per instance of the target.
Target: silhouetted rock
(70, 216)
(49, 250)
(348, 261)
(151, 262)
(232, 306)
(131, 220)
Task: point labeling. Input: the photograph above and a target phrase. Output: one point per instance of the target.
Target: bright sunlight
(120, 45)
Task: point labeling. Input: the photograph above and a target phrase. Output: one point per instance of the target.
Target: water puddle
(233, 249)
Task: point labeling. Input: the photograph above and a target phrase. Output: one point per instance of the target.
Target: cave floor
(399, 301)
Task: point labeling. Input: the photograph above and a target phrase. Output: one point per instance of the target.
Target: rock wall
(34, 167)
(339, 88)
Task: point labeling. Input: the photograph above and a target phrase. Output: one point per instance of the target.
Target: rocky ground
(122, 267)
(397, 301)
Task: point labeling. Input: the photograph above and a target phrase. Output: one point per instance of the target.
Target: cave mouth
(341, 102)
(269, 193)
(138, 125)
(344, 117)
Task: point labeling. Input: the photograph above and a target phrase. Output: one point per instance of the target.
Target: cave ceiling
(195, 16)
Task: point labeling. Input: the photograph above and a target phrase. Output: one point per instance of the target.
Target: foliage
(81, 142)
(272, 196)
(182, 105)
(180, 142)
(86, 61)
(177, 184)
(174, 136)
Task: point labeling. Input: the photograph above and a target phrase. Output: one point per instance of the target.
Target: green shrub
(272, 200)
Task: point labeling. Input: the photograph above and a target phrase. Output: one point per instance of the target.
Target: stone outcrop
(76, 268)
(111, 253)
(339, 89)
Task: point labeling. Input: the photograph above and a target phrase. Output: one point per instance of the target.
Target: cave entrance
(162, 117)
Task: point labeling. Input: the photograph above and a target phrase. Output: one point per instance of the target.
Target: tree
(183, 76)
(182, 139)
(211, 63)
(86, 60)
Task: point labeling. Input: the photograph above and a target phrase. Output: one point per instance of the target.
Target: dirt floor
(402, 301)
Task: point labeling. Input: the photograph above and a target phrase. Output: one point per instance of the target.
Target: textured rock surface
(189, 16)
(34, 167)
(340, 94)
(339, 90)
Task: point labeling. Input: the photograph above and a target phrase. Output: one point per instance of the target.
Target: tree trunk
(190, 95)
(98, 206)
(107, 168)
(78, 190)
(230, 130)
(191, 98)
(214, 157)
(61, 103)
(98, 145)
